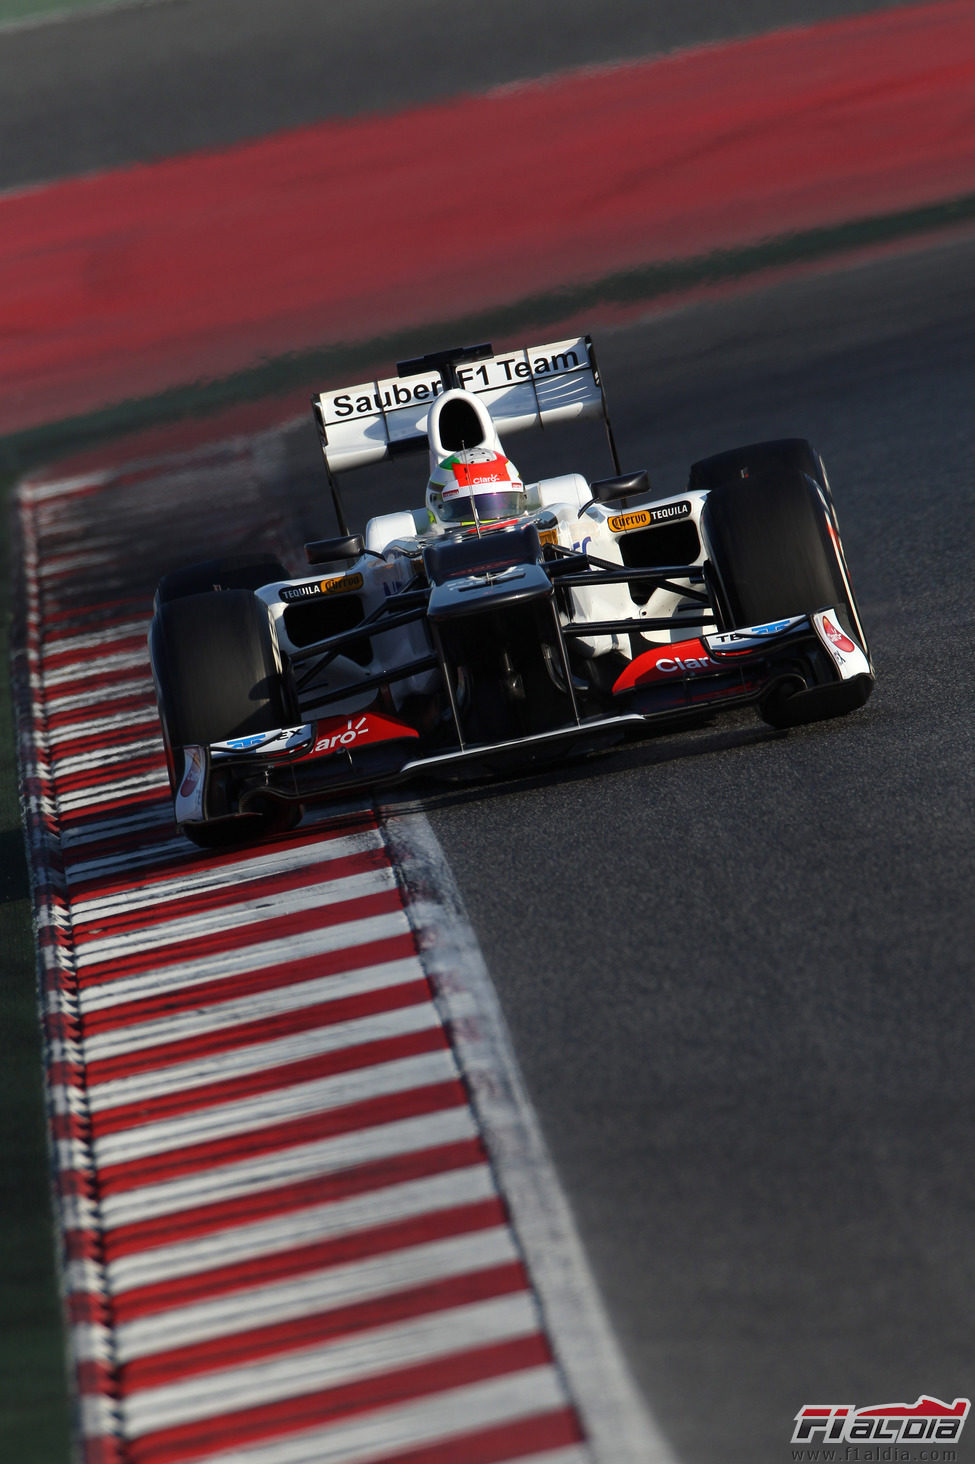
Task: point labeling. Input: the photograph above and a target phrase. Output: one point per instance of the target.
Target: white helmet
(478, 485)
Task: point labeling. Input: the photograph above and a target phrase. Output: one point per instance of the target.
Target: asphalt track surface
(144, 81)
(736, 963)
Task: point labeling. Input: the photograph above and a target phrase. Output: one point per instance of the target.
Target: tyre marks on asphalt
(284, 1238)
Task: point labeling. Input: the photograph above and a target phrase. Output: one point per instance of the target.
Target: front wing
(795, 670)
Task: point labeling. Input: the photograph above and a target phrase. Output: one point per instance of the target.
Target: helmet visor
(490, 507)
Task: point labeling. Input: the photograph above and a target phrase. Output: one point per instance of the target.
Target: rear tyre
(231, 572)
(787, 457)
(216, 678)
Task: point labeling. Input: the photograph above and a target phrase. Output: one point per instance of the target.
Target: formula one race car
(503, 624)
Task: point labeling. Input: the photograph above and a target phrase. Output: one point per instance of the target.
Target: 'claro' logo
(340, 584)
(666, 663)
(338, 734)
(647, 518)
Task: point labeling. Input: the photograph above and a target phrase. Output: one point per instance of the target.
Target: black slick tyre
(216, 678)
(231, 572)
(774, 553)
(771, 550)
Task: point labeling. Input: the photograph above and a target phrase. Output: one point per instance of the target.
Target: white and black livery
(498, 625)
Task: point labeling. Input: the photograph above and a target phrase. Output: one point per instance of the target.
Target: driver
(473, 488)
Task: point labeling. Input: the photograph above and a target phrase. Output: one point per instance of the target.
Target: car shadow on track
(607, 762)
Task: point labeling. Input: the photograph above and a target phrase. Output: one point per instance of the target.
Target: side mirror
(627, 484)
(331, 551)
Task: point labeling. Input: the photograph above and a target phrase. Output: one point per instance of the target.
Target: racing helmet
(478, 485)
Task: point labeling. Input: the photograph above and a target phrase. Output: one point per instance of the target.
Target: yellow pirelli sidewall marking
(341, 584)
(621, 522)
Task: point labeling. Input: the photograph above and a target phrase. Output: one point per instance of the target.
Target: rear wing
(529, 387)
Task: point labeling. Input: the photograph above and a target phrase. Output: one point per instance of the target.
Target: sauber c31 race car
(504, 624)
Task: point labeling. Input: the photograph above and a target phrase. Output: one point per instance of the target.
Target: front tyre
(217, 677)
(771, 550)
(774, 553)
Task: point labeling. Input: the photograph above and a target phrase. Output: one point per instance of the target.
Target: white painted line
(86, 701)
(386, 1434)
(224, 1184)
(258, 867)
(261, 1239)
(108, 757)
(250, 1116)
(111, 722)
(368, 1354)
(164, 856)
(235, 916)
(317, 1291)
(56, 568)
(78, 801)
(235, 1010)
(184, 1078)
(86, 640)
(37, 491)
(143, 820)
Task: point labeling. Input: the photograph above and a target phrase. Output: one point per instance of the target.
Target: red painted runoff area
(122, 284)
